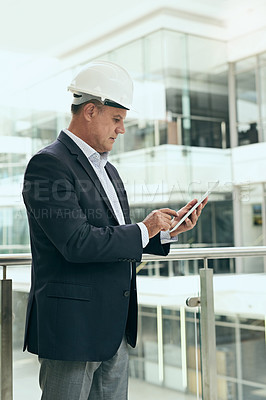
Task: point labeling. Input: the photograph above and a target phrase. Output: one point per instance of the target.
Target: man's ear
(89, 111)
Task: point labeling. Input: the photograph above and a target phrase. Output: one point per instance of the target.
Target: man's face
(106, 126)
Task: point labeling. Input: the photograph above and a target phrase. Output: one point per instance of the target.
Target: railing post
(208, 337)
(160, 343)
(6, 338)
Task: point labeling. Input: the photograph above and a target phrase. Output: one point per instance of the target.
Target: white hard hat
(105, 81)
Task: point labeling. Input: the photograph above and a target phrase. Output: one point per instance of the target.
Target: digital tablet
(206, 194)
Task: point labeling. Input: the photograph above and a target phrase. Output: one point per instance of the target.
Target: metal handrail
(208, 340)
(15, 259)
(209, 253)
(175, 254)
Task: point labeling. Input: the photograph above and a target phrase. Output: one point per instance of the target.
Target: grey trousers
(74, 380)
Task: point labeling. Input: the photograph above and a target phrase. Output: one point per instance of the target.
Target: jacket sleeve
(54, 212)
(155, 247)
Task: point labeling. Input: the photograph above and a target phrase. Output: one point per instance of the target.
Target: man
(82, 309)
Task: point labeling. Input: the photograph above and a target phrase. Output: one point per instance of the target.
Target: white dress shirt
(98, 162)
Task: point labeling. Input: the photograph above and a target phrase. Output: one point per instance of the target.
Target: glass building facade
(183, 137)
(181, 99)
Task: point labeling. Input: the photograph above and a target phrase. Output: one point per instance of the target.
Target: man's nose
(121, 129)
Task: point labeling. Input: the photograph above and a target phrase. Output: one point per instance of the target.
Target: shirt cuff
(166, 238)
(144, 234)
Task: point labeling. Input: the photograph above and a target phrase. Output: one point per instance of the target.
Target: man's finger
(199, 209)
(205, 202)
(168, 211)
(191, 203)
(195, 216)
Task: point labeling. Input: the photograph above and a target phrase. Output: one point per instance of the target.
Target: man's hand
(189, 222)
(159, 220)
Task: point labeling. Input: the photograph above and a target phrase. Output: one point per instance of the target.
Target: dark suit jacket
(83, 298)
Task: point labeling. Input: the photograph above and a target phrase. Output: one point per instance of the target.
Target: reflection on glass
(172, 344)
(149, 346)
(175, 69)
(153, 60)
(263, 128)
(172, 350)
(247, 105)
(262, 72)
(253, 355)
(208, 92)
(14, 234)
(247, 109)
(251, 200)
(204, 133)
(25, 365)
(247, 133)
(196, 86)
(226, 350)
(193, 354)
(245, 65)
(262, 59)
(140, 134)
(131, 57)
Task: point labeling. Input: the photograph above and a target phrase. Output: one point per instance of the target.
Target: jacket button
(126, 293)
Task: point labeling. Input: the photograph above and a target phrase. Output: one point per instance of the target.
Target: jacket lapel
(82, 159)
(120, 191)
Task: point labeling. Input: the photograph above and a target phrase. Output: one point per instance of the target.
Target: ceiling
(53, 27)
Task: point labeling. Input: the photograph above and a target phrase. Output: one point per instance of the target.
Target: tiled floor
(26, 386)
(140, 390)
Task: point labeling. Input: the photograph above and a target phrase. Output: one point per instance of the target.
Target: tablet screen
(206, 194)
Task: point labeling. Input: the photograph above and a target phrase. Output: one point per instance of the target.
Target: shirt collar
(98, 159)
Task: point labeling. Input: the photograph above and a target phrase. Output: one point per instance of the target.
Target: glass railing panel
(240, 305)
(144, 358)
(226, 357)
(193, 354)
(25, 364)
(173, 374)
(166, 360)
